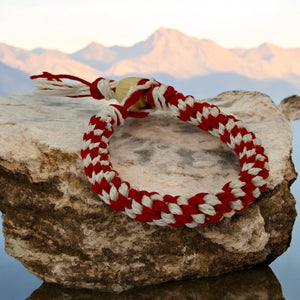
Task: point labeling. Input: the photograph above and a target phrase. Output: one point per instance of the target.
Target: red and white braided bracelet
(135, 97)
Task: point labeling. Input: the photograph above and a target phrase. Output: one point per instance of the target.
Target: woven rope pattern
(151, 207)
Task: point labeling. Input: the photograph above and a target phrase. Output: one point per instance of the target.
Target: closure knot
(102, 88)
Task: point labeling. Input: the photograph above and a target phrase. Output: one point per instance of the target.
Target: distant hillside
(190, 61)
(13, 81)
(100, 57)
(38, 60)
(173, 52)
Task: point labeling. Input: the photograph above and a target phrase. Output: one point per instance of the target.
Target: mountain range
(182, 60)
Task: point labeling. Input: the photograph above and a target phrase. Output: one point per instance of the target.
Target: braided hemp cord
(175, 211)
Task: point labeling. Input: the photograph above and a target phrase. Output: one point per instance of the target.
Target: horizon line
(39, 47)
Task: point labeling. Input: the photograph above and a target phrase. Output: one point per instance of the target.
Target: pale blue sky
(69, 25)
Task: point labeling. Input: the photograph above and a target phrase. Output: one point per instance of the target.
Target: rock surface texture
(59, 229)
(291, 107)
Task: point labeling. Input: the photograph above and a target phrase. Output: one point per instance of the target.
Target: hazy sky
(69, 25)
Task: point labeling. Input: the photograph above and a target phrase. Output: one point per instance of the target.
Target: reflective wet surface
(260, 283)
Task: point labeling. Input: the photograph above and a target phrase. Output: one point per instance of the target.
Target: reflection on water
(287, 266)
(259, 283)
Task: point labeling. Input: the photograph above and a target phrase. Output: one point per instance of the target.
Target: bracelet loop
(136, 97)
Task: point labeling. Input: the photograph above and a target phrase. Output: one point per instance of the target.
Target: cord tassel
(48, 84)
(58, 88)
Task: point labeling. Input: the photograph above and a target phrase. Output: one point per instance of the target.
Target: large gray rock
(59, 229)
